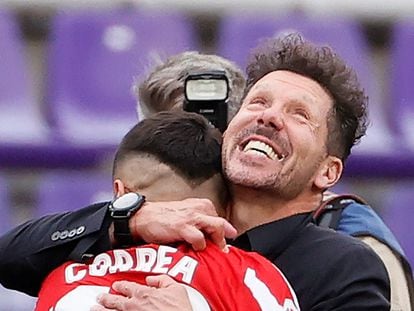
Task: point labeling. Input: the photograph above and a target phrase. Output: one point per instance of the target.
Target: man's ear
(118, 187)
(329, 173)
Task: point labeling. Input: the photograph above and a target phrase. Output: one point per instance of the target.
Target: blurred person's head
(163, 89)
(302, 112)
(171, 155)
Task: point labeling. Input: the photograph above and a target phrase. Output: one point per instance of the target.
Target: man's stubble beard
(276, 184)
(282, 185)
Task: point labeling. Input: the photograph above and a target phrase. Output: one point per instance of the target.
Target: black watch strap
(122, 233)
(122, 209)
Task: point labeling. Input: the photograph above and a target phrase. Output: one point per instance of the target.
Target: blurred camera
(207, 93)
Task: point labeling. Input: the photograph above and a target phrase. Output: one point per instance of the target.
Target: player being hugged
(170, 156)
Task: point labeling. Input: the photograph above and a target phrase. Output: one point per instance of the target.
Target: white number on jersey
(263, 296)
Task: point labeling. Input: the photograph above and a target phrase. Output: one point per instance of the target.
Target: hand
(190, 220)
(162, 293)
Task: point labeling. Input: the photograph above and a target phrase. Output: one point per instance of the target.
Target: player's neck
(251, 208)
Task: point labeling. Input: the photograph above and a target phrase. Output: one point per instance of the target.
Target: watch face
(126, 201)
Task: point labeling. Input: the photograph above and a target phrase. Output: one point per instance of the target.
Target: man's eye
(302, 113)
(258, 102)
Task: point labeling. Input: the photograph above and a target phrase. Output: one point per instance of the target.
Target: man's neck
(251, 208)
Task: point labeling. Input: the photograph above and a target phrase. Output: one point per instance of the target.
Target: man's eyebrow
(262, 87)
(261, 91)
(304, 101)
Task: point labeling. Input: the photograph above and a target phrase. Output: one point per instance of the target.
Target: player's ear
(118, 187)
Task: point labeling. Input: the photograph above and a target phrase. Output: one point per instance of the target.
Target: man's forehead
(282, 80)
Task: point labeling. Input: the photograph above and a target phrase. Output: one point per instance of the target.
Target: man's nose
(272, 117)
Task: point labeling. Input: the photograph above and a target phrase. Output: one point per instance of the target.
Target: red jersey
(214, 280)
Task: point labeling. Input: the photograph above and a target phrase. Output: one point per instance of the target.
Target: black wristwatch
(121, 209)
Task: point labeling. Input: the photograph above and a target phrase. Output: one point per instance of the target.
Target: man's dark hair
(184, 141)
(347, 122)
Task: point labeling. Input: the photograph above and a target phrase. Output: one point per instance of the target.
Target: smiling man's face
(277, 140)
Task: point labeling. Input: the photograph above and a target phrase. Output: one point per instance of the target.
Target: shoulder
(346, 258)
(354, 272)
(335, 246)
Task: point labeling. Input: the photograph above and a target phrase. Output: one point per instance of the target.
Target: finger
(111, 301)
(159, 281)
(216, 235)
(215, 227)
(193, 236)
(229, 231)
(212, 224)
(128, 289)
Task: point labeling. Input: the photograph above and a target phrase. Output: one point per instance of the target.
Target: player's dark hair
(184, 141)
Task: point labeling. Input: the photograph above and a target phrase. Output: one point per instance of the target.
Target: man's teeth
(262, 147)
